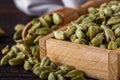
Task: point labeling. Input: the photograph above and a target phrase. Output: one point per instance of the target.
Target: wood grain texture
(96, 62)
(114, 65)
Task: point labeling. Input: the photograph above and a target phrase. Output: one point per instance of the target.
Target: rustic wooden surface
(9, 17)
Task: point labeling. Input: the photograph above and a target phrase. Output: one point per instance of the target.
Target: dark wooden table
(9, 17)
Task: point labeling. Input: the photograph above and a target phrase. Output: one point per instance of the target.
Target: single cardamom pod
(80, 41)
(5, 49)
(108, 11)
(103, 46)
(43, 31)
(4, 60)
(92, 31)
(16, 61)
(43, 61)
(54, 27)
(117, 32)
(48, 18)
(73, 73)
(113, 20)
(44, 75)
(19, 27)
(59, 35)
(57, 19)
(27, 65)
(79, 33)
(73, 37)
(51, 76)
(117, 41)
(112, 45)
(60, 77)
(44, 23)
(70, 30)
(34, 28)
(33, 60)
(66, 68)
(109, 35)
(115, 26)
(98, 39)
(36, 65)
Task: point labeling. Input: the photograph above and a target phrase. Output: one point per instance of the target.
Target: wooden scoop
(68, 14)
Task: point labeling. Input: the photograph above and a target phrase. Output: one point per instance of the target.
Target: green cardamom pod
(48, 18)
(108, 11)
(73, 37)
(103, 46)
(35, 66)
(34, 28)
(57, 19)
(52, 76)
(43, 61)
(79, 20)
(109, 35)
(60, 77)
(115, 26)
(53, 65)
(66, 68)
(37, 71)
(61, 72)
(59, 35)
(35, 21)
(17, 35)
(19, 27)
(44, 75)
(112, 45)
(70, 30)
(33, 60)
(73, 73)
(15, 49)
(117, 32)
(79, 33)
(36, 40)
(98, 39)
(80, 41)
(54, 27)
(16, 61)
(5, 49)
(113, 20)
(4, 60)
(21, 55)
(92, 31)
(117, 41)
(43, 31)
(27, 66)
(44, 23)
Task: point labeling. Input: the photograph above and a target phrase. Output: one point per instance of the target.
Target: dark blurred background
(9, 17)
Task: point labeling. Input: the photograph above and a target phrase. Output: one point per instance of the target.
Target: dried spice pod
(51, 76)
(27, 66)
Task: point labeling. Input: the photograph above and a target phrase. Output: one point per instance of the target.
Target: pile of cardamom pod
(26, 52)
(100, 27)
